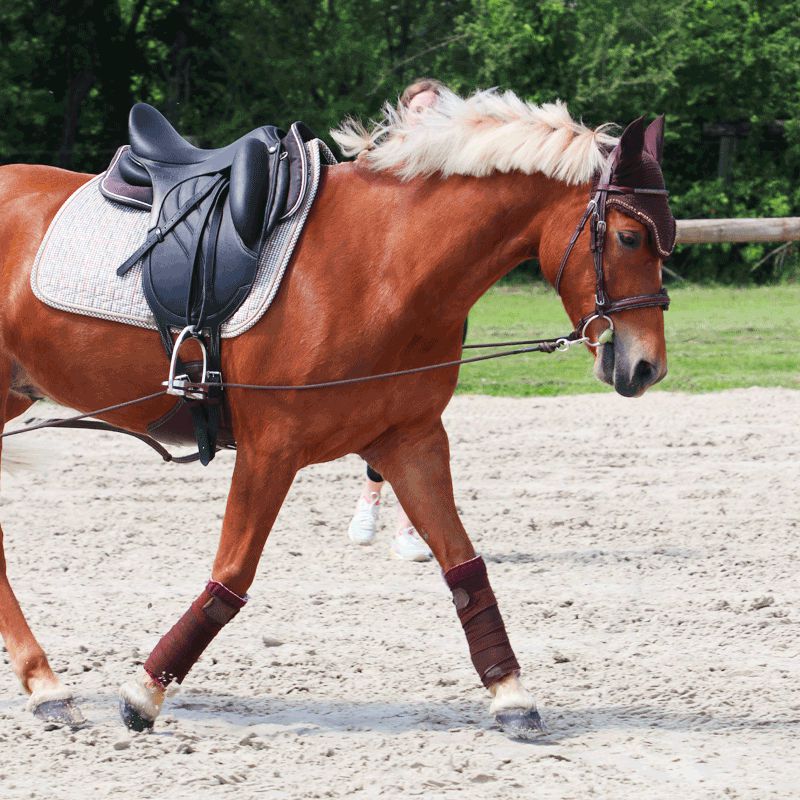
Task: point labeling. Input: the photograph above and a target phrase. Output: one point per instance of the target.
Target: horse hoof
(59, 712)
(133, 720)
(521, 723)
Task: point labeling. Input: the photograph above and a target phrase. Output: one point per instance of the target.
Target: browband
(613, 187)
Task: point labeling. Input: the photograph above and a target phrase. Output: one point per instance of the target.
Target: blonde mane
(490, 131)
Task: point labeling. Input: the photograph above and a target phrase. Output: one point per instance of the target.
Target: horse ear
(654, 138)
(630, 146)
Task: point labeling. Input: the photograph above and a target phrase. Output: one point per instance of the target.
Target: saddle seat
(152, 136)
(159, 156)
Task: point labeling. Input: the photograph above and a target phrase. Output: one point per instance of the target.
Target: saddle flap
(170, 267)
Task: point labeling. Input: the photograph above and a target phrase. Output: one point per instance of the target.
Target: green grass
(717, 338)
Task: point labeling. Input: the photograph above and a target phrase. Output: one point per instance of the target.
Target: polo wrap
(477, 609)
(178, 650)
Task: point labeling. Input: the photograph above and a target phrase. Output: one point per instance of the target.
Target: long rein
(521, 347)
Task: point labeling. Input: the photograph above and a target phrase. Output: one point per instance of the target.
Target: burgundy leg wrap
(477, 609)
(179, 649)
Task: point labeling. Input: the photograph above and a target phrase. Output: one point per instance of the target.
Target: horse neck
(447, 241)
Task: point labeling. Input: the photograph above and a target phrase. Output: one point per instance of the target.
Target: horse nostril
(645, 373)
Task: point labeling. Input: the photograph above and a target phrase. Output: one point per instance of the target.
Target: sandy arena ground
(645, 554)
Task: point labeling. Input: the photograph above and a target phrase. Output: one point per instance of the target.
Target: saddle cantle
(211, 212)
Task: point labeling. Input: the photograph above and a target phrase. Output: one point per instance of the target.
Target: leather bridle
(595, 215)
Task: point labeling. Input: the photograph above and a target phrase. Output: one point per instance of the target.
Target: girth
(595, 215)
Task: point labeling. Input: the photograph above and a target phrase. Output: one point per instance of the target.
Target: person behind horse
(406, 543)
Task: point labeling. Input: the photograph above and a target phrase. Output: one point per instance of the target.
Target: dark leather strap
(660, 298)
(577, 232)
(209, 262)
(158, 233)
(98, 425)
(613, 187)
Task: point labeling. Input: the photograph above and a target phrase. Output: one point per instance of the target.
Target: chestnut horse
(399, 246)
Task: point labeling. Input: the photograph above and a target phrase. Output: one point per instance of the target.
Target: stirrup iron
(181, 385)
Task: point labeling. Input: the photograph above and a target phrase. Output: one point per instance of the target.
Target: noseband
(595, 214)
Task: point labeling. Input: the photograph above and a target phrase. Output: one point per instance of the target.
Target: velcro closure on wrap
(475, 567)
(217, 589)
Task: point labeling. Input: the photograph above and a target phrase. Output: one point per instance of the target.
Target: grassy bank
(717, 338)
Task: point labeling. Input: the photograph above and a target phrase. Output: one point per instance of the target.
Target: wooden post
(727, 148)
(766, 229)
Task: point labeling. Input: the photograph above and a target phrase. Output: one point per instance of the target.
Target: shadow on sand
(318, 716)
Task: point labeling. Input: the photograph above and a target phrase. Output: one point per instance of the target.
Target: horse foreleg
(417, 463)
(257, 492)
(49, 699)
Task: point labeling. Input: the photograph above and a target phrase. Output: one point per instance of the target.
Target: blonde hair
(490, 131)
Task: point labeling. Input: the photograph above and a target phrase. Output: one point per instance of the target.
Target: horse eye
(629, 239)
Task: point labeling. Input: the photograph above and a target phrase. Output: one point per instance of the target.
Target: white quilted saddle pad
(90, 236)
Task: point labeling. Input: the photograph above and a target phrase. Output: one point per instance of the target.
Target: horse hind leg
(49, 699)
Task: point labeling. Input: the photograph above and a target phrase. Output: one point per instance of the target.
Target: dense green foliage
(717, 338)
(726, 72)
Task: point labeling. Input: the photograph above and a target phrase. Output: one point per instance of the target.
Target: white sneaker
(364, 524)
(408, 545)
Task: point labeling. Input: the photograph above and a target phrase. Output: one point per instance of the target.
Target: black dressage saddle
(211, 212)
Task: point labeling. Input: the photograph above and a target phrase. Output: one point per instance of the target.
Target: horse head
(609, 275)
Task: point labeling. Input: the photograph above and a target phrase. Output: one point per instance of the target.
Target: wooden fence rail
(765, 229)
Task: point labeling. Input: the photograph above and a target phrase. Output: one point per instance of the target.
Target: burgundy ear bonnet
(637, 164)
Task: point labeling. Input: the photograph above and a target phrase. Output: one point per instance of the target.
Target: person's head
(421, 94)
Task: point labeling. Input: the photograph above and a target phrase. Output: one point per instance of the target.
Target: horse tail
(22, 457)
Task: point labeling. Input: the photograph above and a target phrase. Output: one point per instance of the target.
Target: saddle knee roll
(249, 190)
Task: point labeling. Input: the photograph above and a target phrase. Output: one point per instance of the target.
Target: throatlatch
(178, 650)
(477, 609)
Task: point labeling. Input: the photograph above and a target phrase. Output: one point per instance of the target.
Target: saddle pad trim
(304, 172)
(58, 252)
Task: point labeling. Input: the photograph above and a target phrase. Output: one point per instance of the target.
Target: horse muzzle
(630, 371)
